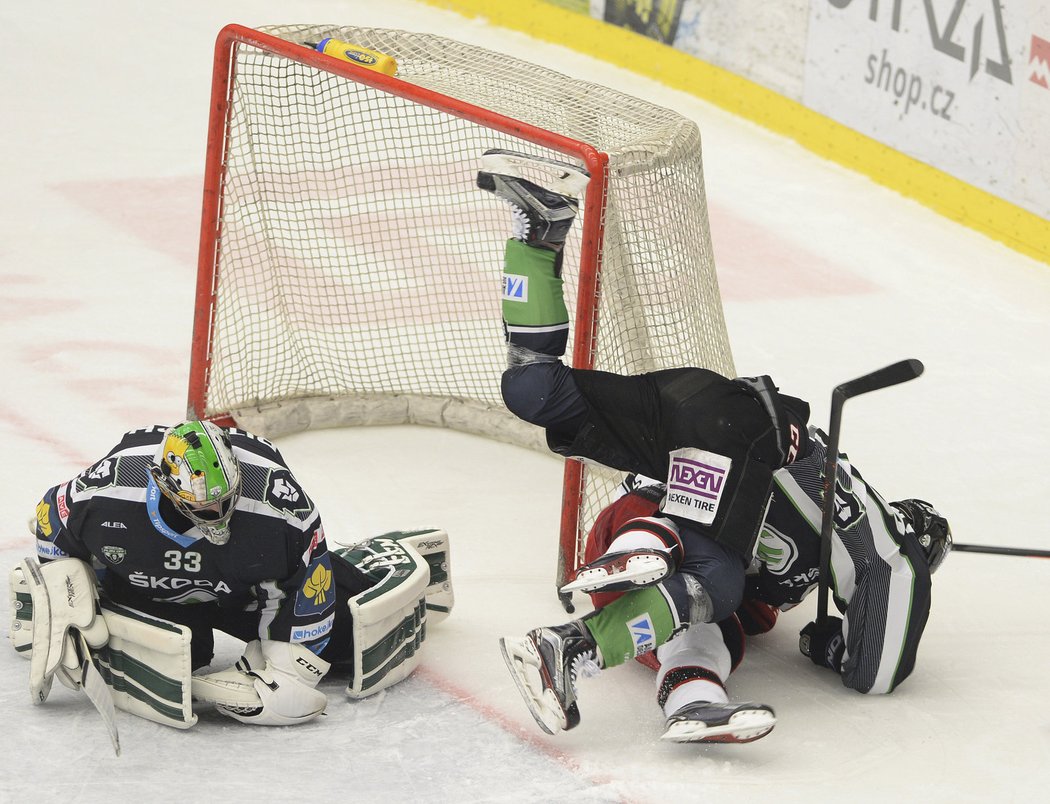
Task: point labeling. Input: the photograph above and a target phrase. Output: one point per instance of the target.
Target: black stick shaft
(1001, 551)
(883, 378)
(827, 520)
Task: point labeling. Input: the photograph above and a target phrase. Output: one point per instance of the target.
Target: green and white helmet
(196, 469)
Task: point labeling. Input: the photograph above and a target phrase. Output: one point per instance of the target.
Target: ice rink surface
(825, 276)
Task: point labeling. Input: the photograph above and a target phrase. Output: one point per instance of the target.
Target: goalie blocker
(145, 660)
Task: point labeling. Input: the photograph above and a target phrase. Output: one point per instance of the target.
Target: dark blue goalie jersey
(273, 578)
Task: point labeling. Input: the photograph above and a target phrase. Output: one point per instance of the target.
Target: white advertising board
(962, 85)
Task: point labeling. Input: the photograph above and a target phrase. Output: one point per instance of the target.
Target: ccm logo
(306, 665)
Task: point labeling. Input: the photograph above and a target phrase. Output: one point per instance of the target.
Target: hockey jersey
(274, 576)
(880, 578)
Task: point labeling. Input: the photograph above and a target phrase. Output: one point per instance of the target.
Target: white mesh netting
(358, 270)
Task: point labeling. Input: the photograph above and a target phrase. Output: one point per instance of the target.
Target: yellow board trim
(953, 198)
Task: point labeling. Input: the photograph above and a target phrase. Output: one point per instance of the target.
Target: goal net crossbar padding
(350, 269)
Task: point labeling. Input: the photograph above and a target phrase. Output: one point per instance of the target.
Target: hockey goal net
(350, 269)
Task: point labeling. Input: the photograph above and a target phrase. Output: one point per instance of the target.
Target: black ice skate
(545, 665)
(621, 571)
(704, 722)
(543, 214)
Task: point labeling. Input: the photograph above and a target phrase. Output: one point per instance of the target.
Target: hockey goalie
(181, 531)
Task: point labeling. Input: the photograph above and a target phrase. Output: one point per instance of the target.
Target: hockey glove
(823, 643)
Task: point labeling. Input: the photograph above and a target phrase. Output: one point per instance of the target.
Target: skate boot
(621, 571)
(704, 722)
(544, 214)
(545, 665)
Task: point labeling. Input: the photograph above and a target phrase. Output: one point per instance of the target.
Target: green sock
(636, 623)
(532, 293)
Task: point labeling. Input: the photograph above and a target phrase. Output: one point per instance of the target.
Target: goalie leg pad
(146, 665)
(433, 546)
(390, 618)
(21, 632)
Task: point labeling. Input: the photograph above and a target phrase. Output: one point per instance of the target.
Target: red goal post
(349, 270)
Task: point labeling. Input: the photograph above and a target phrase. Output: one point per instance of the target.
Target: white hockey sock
(634, 539)
(693, 691)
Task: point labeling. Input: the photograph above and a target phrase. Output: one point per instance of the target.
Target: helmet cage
(196, 469)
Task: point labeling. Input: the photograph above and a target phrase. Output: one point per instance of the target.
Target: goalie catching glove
(273, 684)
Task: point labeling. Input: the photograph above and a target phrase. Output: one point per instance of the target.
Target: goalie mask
(196, 469)
(930, 528)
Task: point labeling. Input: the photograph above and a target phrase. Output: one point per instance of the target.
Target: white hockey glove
(272, 685)
(65, 622)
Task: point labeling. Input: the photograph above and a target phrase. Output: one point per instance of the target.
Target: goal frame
(234, 36)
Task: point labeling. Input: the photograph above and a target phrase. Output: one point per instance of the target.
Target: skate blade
(519, 656)
(744, 726)
(640, 571)
(563, 178)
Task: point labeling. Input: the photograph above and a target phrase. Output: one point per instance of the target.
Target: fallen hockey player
(725, 446)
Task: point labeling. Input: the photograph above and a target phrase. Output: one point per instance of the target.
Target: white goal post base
(312, 413)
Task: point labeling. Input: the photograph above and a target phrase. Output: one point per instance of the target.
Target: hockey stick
(94, 687)
(883, 378)
(1000, 551)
